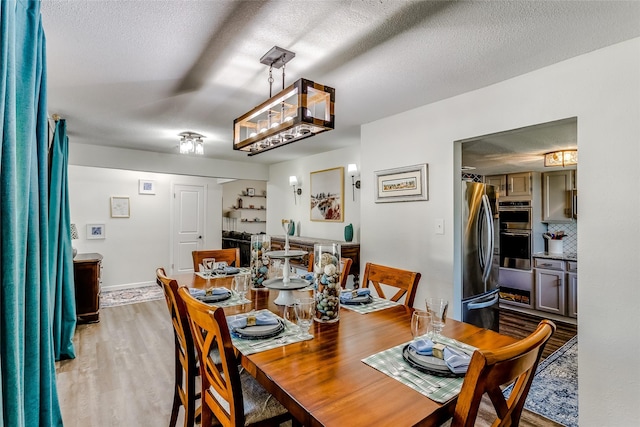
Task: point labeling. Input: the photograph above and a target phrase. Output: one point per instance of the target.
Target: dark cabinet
(86, 271)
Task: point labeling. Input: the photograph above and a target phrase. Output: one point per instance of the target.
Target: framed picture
(120, 207)
(251, 191)
(95, 231)
(327, 195)
(146, 187)
(406, 184)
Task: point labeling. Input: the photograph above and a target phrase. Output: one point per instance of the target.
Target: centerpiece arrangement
(326, 270)
(260, 245)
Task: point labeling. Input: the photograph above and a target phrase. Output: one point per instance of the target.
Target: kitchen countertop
(566, 256)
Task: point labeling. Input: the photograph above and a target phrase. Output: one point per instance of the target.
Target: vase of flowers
(326, 270)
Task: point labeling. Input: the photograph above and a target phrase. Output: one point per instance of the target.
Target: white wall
(281, 204)
(134, 247)
(602, 89)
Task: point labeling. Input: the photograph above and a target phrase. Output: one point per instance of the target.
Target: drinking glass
(420, 324)
(241, 284)
(208, 265)
(305, 309)
(437, 308)
(290, 315)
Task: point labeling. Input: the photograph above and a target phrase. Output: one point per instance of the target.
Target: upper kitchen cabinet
(511, 185)
(558, 196)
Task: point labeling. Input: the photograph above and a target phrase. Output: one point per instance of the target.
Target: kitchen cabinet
(558, 196)
(86, 273)
(556, 284)
(512, 185)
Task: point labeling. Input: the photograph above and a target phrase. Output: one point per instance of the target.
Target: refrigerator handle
(488, 255)
(484, 304)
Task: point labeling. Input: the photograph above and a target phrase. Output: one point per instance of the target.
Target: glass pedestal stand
(285, 284)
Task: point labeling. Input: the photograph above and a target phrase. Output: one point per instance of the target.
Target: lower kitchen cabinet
(572, 303)
(550, 291)
(86, 272)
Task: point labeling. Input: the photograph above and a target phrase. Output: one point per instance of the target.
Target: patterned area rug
(554, 391)
(130, 296)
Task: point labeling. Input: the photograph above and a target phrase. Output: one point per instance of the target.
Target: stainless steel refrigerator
(480, 256)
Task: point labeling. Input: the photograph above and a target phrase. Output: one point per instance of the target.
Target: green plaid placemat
(448, 387)
(290, 336)
(377, 304)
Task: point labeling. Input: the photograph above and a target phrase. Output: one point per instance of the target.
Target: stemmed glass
(437, 308)
(420, 324)
(241, 285)
(290, 315)
(208, 265)
(305, 310)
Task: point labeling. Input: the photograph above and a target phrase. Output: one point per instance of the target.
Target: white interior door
(188, 225)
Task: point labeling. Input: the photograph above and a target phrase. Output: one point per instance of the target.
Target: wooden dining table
(323, 381)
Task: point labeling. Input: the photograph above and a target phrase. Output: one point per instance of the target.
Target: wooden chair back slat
(406, 281)
(231, 256)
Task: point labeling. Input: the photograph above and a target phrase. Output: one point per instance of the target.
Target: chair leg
(176, 392)
(190, 394)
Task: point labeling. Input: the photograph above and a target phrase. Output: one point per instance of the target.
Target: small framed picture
(120, 207)
(251, 191)
(95, 231)
(146, 187)
(405, 184)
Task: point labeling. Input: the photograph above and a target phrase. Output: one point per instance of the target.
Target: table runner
(377, 304)
(290, 333)
(449, 387)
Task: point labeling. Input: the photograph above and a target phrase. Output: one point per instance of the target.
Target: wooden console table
(86, 272)
(347, 250)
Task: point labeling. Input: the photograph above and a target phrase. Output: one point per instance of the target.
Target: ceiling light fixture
(191, 142)
(561, 158)
(299, 111)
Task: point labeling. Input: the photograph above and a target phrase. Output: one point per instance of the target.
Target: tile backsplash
(570, 242)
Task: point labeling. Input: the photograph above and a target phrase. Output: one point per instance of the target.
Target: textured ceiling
(134, 74)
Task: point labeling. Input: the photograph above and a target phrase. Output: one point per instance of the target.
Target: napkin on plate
(457, 361)
(262, 318)
(347, 294)
(197, 292)
(200, 293)
(423, 347)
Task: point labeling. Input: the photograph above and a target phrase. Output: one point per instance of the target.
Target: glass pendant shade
(302, 110)
(561, 158)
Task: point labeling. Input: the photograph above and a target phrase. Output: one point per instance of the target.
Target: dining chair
(229, 393)
(345, 266)
(406, 281)
(231, 256)
(491, 369)
(186, 369)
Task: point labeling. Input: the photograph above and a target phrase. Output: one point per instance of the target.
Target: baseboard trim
(126, 286)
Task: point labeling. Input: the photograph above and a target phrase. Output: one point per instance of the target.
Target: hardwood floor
(519, 325)
(123, 371)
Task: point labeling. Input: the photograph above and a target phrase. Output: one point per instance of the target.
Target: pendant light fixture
(561, 158)
(299, 111)
(191, 143)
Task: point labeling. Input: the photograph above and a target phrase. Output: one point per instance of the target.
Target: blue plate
(365, 299)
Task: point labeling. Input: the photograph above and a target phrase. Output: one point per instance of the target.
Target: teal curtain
(29, 395)
(60, 250)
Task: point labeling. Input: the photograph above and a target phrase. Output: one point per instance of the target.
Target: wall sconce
(352, 169)
(293, 181)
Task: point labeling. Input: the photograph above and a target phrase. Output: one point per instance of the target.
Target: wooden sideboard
(347, 250)
(86, 272)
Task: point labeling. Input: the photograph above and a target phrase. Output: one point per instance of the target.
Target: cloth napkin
(262, 318)
(457, 361)
(423, 346)
(199, 293)
(347, 294)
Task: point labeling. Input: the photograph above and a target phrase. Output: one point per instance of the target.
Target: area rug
(554, 391)
(130, 296)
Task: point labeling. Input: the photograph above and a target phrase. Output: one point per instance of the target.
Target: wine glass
(241, 285)
(420, 324)
(437, 308)
(305, 310)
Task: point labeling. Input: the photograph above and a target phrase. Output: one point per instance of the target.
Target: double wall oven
(515, 234)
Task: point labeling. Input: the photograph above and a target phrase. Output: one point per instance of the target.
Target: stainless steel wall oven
(515, 234)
